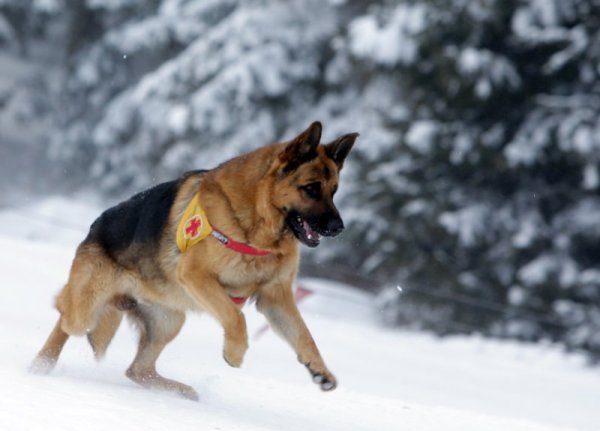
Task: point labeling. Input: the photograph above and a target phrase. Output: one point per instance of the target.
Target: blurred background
(471, 199)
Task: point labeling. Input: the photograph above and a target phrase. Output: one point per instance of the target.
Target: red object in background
(301, 293)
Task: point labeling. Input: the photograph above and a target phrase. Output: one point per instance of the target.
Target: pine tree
(190, 85)
(484, 208)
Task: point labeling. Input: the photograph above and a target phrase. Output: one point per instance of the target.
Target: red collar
(237, 246)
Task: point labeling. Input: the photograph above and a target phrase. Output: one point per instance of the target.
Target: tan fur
(101, 336)
(243, 198)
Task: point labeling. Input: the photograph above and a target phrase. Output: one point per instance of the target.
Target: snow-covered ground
(389, 380)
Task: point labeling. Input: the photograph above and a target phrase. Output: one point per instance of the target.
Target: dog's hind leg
(158, 326)
(80, 303)
(47, 357)
(92, 283)
(108, 323)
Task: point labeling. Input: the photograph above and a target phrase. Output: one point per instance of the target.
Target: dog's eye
(313, 190)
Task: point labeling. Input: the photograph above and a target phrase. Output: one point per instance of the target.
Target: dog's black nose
(335, 225)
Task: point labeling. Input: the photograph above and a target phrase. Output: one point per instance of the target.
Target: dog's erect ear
(302, 148)
(339, 149)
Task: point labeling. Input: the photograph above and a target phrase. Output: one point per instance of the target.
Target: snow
(540, 269)
(420, 136)
(468, 223)
(389, 380)
(528, 230)
(491, 67)
(538, 21)
(48, 6)
(584, 218)
(178, 119)
(530, 141)
(6, 31)
(393, 42)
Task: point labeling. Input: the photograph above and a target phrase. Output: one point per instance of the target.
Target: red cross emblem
(192, 227)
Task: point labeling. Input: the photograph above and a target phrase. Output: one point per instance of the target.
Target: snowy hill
(389, 380)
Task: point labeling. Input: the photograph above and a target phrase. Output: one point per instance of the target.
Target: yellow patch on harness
(193, 226)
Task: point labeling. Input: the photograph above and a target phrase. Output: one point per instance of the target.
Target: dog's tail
(108, 323)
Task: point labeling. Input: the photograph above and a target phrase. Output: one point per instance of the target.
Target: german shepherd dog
(266, 202)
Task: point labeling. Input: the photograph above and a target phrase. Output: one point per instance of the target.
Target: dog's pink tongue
(311, 234)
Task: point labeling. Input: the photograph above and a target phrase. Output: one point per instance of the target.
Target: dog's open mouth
(302, 229)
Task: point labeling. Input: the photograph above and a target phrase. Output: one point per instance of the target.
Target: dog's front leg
(278, 305)
(211, 296)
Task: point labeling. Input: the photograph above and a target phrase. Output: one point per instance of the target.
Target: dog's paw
(234, 350)
(188, 392)
(233, 357)
(236, 342)
(231, 361)
(325, 380)
(41, 365)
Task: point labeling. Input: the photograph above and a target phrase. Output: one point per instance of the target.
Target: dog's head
(307, 178)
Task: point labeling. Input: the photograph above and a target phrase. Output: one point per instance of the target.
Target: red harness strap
(238, 301)
(237, 246)
(240, 248)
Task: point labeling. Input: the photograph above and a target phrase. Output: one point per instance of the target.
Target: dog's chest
(245, 273)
